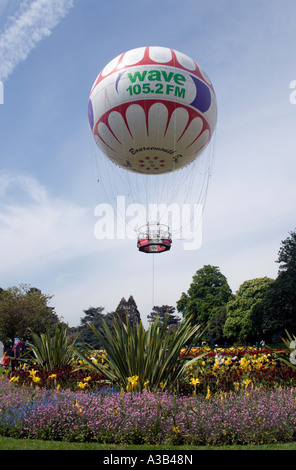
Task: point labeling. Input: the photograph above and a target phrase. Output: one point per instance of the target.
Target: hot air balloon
(152, 111)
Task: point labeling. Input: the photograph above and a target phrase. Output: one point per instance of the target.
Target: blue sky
(50, 54)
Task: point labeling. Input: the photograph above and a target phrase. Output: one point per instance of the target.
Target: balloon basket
(154, 238)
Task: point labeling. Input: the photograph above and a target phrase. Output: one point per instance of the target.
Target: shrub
(138, 359)
(51, 351)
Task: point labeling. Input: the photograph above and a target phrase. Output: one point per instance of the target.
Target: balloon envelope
(152, 110)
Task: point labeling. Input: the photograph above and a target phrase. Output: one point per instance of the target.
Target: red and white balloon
(152, 110)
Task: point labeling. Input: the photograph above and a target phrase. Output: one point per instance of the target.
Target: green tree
(241, 313)
(287, 255)
(278, 309)
(94, 316)
(208, 292)
(215, 333)
(161, 312)
(128, 309)
(22, 309)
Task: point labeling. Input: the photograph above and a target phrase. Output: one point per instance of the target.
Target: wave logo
(292, 347)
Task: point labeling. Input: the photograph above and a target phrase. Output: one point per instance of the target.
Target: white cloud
(38, 230)
(33, 22)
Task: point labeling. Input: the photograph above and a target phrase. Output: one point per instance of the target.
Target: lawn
(8, 443)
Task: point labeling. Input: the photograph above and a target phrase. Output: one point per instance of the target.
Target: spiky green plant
(290, 343)
(152, 356)
(51, 351)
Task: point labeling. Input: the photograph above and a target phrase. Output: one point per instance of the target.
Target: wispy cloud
(34, 21)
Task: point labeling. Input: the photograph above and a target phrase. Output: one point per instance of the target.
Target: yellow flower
(132, 382)
(77, 406)
(146, 383)
(215, 366)
(36, 379)
(176, 429)
(194, 381)
(208, 394)
(87, 379)
(32, 372)
(82, 385)
(228, 361)
(247, 382)
(236, 385)
(52, 376)
(14, 379)
(58, 387)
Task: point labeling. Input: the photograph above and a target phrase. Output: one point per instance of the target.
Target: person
(262, 342)
(17, 349)
(218, 358)
(17, 352)
(5, 361)
(234, 359)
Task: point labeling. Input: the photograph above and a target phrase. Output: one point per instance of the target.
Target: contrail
(34, 21)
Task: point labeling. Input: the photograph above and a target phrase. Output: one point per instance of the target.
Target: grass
(8, 443)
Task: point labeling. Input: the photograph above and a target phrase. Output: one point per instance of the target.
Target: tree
(287, 255)
(214, 333)
(241, 316)
(161, 312)
(128, 309)
(94, 316)
(278, 308)
(23, 309)
(208, 292)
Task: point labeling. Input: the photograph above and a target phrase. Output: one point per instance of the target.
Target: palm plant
(152, 358)
(51, 351)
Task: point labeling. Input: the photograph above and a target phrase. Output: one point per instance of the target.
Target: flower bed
(237, 368)
(66, 378)
(246, 417)
(242, 397)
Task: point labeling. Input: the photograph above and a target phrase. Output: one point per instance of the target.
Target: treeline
(126, 310)
(261, 309)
